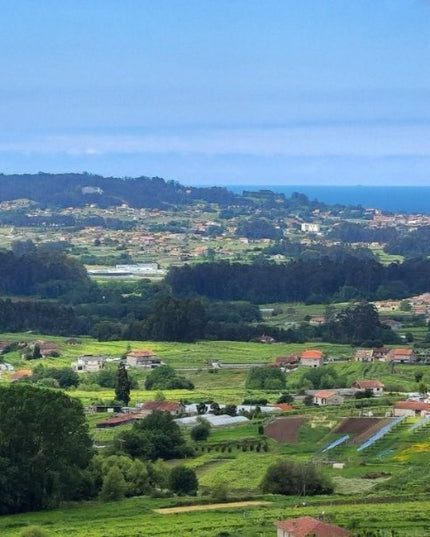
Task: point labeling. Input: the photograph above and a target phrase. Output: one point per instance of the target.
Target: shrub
(295, 478)
(183, 480)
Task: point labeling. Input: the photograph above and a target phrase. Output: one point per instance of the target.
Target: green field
(135, 518)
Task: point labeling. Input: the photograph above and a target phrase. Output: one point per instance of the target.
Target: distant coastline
(409, 199)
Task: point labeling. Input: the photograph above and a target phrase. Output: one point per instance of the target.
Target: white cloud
(354, 140)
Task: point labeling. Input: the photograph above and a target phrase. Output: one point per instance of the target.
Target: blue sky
(218, 91)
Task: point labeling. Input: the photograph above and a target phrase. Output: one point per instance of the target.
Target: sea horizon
(396, 198)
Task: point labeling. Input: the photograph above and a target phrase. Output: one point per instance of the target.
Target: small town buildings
(311, 358)
(375, 386)
(307, 526)
(411, 408)
(87, 363)
(326, 398)
(143, 358)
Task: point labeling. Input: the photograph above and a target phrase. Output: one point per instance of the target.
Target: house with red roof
(143, 358)
(411, 408)
(311, 358)
(174, 408)
(327, 397)
(307, 526)
(375, 386)
(401, 356)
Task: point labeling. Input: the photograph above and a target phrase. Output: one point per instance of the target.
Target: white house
(88, 364)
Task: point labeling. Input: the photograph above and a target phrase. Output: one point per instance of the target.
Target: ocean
(408, 199)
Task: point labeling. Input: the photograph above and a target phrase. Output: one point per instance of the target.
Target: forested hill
(75, 190)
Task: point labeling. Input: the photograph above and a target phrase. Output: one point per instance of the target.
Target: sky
(218, 92)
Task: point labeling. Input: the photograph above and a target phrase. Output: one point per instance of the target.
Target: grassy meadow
(386, 478)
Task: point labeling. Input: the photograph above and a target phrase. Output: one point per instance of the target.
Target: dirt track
(208, 507)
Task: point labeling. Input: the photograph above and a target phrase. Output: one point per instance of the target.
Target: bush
(183, 480)
(201, 431)
(295, 478)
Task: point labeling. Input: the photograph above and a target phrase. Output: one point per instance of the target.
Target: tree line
(316, 281)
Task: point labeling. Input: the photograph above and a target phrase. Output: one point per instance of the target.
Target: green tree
(114, 486)
(295, 478)
(183, 480)
(44, 447)
(122, 387)
(201, 431)
(157, 436)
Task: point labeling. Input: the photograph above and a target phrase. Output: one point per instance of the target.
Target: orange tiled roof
(313, 354)
(306, 526)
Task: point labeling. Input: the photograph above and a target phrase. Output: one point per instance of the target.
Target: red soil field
(284, 429)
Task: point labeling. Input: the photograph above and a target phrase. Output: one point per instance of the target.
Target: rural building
(287, 361)
(317, 320)
(381, 353)
(176, 409)
(87, 363)
(307, 526)
(311, 358)
(375, 385)
(48, 349)
(411, 408)
(310, 227)
(143, 358)
(364, 355)
(116, 421)
(327, 397)
(401, 356)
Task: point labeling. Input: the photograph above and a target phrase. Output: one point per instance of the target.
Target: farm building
(172, 407)
(375, 385)
(116, 421)
(87, 363)
(287, 361)
(307, 526)
(144, 358)
(364, 355)
(327, 397)
(401, 356)
(411, 408)
(311, 358)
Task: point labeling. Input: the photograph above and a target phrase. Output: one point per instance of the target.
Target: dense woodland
(51, 292)
(320, 280)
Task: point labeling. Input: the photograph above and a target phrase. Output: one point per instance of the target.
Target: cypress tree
(122, 387)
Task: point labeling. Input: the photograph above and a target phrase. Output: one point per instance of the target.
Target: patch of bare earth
(284, 430)
(208, 507)
(363, 428)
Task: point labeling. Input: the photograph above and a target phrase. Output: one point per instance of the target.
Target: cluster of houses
(315, 358)
(337, 396)
(89, 363)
